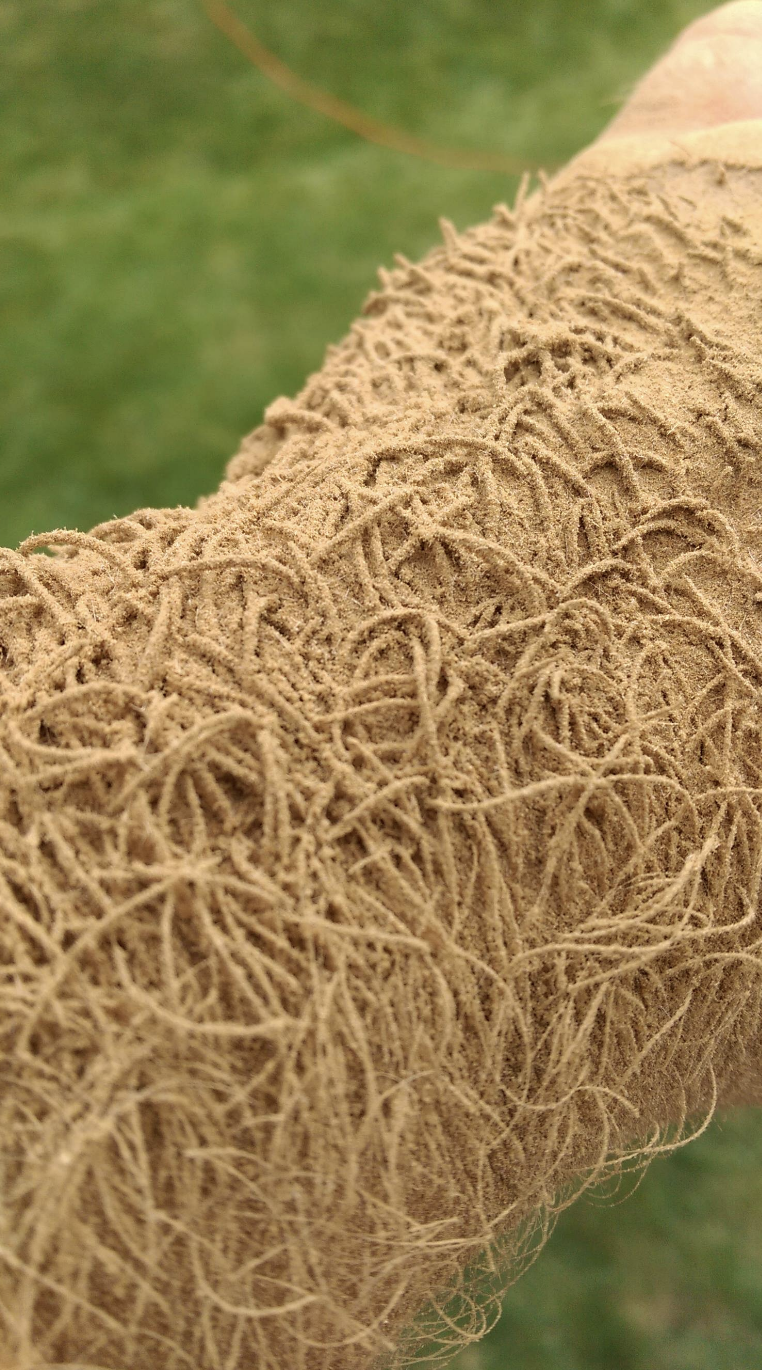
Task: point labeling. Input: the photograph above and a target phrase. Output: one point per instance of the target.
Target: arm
(380, 841)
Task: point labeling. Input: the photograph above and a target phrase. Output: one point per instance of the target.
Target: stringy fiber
(381, 841)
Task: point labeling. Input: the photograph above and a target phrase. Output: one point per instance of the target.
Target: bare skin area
(711, 75)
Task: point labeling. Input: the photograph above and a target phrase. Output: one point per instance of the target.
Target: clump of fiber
(381, 841)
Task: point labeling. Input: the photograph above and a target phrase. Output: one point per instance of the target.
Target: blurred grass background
(178, 244)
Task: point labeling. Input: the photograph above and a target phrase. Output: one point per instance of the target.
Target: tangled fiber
(381, 840)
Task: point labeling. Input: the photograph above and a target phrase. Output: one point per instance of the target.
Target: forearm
(380, 842)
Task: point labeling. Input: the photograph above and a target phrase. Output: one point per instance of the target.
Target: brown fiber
(381, 841)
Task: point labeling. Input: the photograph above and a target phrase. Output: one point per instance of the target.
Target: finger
(711, 75)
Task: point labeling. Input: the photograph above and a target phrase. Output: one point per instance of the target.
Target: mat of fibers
(381, 840)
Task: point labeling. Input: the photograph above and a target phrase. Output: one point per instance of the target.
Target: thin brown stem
(354, 119)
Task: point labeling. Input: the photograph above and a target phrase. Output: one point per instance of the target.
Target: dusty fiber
(381, 841)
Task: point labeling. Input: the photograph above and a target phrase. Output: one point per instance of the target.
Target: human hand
(711, 75)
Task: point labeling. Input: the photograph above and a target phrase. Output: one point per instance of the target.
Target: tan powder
(381, 841)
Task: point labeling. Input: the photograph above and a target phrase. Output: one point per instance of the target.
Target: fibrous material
(381, 840)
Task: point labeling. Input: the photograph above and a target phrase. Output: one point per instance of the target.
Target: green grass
(178, 244)
(669, 1278)
(179, 241)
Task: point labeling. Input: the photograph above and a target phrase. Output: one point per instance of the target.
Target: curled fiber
(381, 840)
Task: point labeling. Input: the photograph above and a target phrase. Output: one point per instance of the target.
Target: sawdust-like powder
(381, 840)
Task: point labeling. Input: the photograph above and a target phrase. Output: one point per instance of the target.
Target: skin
(711, 75)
